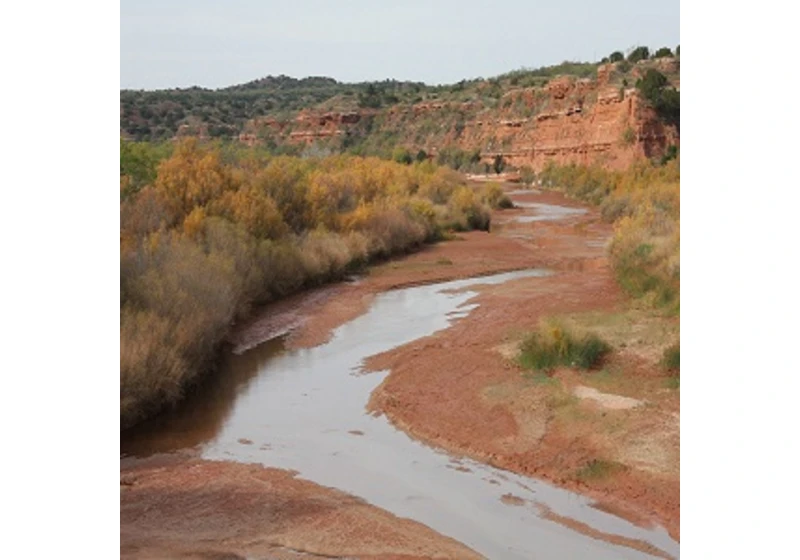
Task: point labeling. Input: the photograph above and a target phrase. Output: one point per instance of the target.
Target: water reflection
(205, 410)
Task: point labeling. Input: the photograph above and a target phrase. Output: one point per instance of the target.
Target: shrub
(494, 196)
(672, 358)
(465, 211)
(639, 53)
(614, 208)
(552, 345)
(138, 162)
(665, 100)
(628, 136)
(616, 56)
(663, 52)
(402, 155)
(669, 155)
(527, 175)
(499, 164)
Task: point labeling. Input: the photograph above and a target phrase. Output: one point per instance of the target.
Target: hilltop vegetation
(208, 232)
(223, 113)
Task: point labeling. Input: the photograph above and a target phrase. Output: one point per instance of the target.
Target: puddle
(546, 212)
(304, 411)
(524, 191)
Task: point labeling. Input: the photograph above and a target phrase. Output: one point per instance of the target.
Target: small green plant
(553, 345)
(671, 361)
(598, 469)
(628, 136)
(402, 155)
(673, 382)
(672, 358)
(669, 155)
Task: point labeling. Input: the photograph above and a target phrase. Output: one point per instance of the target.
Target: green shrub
(639, 53)
(552, 346)
(669, 155)
(499, 164)
(666, 100)
(402, 155)
(629, 136)
(672, 358)
(588, 351)
(663, 52)
(616, 56)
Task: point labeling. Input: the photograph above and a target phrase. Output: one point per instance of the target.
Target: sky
(210, 43)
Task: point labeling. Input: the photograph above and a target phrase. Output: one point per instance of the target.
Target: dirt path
(461, 389)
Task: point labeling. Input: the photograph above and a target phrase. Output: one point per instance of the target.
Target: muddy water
(304, 410)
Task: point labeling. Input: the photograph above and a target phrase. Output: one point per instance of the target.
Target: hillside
(570, 113)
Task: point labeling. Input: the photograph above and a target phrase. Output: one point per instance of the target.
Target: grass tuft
(597, 469)
(672, 358)
(553, 345)
(672, 362)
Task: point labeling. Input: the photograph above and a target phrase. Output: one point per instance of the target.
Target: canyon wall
(585, 121)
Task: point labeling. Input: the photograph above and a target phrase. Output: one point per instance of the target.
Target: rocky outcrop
(569, 120)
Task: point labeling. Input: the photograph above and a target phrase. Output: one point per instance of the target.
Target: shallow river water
(305, 410)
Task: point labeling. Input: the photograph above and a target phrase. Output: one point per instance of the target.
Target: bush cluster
(211, 233)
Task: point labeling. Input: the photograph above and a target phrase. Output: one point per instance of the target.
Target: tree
(663, 52)
(665, 100)
(499, 164)
(678, 51)
(371, 98)
(651, 84)
(639, 53)
(137, 164)
(616, 56)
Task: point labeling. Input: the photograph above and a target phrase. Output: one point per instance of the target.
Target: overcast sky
(214, 43)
